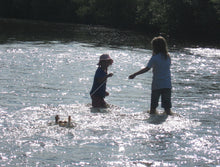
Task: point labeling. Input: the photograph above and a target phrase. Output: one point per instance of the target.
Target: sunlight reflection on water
(39, 81)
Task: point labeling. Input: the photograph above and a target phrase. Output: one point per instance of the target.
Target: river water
(40, 79)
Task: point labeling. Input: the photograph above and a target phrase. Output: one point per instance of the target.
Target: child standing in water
(161, 84)
(98, 91)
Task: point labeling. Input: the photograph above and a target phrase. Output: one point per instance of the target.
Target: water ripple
(40, 80)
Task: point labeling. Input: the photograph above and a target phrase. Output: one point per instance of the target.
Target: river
(40, 79)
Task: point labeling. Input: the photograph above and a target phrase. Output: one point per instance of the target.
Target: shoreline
(31, 30)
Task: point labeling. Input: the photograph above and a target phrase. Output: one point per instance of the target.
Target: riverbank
(32, 30)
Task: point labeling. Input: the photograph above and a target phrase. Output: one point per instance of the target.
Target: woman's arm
(146, 69)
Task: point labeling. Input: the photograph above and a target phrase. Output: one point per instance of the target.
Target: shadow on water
(110, 108)
(157, 119)
(99, 110)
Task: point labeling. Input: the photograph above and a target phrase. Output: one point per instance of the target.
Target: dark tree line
(174, 17)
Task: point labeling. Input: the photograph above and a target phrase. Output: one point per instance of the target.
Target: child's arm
(146, 69)
(101, 80)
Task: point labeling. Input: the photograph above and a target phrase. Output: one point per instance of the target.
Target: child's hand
(106, 94)
(132, 76)
(110, 75)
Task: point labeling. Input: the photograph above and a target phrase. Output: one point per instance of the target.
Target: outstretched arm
(146, 69)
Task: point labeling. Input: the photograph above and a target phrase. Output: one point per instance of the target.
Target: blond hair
(159, 45)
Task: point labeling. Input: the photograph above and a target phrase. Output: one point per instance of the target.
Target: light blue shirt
(161, 71)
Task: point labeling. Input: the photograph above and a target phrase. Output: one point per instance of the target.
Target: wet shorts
(98, 102)
(165, 98)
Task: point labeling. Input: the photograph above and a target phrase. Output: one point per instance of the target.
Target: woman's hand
(132, 76)
(143, 70)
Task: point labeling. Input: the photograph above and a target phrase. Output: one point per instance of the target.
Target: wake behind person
(161, 84)
(98, 91)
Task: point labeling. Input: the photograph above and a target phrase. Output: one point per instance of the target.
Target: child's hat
(105, 57)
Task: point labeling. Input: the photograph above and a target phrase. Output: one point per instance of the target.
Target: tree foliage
(174, 17)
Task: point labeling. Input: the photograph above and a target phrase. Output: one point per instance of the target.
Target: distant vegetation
(179, 18)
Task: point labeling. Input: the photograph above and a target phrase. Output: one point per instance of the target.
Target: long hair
(159, 45)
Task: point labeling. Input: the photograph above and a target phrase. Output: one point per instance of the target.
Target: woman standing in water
(161, 84)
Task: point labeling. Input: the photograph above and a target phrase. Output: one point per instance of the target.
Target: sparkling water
(39, 80)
